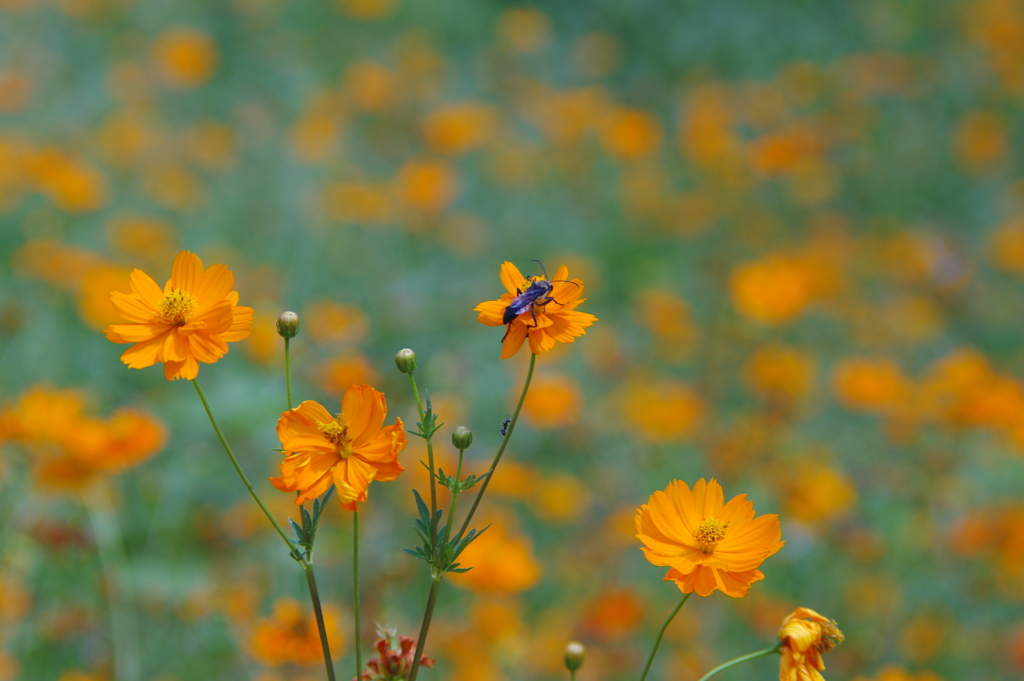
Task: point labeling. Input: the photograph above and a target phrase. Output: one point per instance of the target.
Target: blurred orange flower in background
(554, 400)
(707, 544)
(556, 320)
(185, 57)
(348, 451)
(774, 289)
(67, 447)
(190, 321)
(804, 636)
(661, 410)
(289, 636)
(502, 563)
(870, 384)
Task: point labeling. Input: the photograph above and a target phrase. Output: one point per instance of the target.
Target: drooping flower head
(804, 636)
(707, 544)
(543, 317)
(191, 320)
(394, 662)
(348, 450)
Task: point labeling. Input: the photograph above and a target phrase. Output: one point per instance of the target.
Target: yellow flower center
(336, 433)
(178, 307)
(831, 636)
(709, 533)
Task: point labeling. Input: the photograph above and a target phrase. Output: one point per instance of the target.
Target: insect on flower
(536, 295)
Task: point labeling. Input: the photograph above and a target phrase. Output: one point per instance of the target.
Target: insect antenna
(541, 267)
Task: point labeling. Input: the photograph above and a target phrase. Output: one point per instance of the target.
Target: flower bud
(288, 324)
(405, 359)
(462, 437)
(574, 653)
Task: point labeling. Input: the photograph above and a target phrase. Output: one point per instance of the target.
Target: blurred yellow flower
(524, 30)
(982, 141)
(707, 544)
(814, 491)
(629, 134)
(185, 57)
(191, 320)
(804, 637)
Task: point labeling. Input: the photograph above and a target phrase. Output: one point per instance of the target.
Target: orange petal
(132, 307)
(241, 324)
(142, 355)
(214, 285)
(491, 312)
(186, 273)
(513, 340)
(145, 288)
(135, 333)
(363, 410)
(512, 278)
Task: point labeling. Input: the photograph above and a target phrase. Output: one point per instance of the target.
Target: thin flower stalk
(355, 592)
(501, 449)
(430, 463)
(288, 371)
(124, 621)
(307, 567)
(661, 634)
(740, 660)
(435, 585)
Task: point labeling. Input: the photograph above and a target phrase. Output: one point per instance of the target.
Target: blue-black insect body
(504, 427)
(537, 294)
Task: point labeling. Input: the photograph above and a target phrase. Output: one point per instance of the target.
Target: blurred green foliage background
(801, 225)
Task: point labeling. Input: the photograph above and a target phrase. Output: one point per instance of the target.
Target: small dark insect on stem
(504, 426)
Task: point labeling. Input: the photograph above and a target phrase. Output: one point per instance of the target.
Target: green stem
(436, 585)
(501, 449)
(455, 498)
(314, 595)
(355, 589)
(124, 622)
(738, 660)
(572, 675)
(241, 473)
(288, 371)
(657, 641)
(430, 462)
(428, 615)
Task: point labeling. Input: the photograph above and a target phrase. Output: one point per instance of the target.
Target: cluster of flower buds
(393, 664)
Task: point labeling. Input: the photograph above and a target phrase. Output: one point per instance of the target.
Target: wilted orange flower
(347, 451)
(804, 636)
(543, 322)
(190, 321)
(707, 544)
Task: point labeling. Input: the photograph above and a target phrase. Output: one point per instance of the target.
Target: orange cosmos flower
(804, 636)
(348, 451)
(706, 543)
(190, 321)
(549, 317)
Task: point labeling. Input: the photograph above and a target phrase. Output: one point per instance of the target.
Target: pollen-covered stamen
(709, 533)
(178, 307)
(831, 636)
(336, 433)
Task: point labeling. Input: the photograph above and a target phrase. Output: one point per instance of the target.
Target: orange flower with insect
(536, 308)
